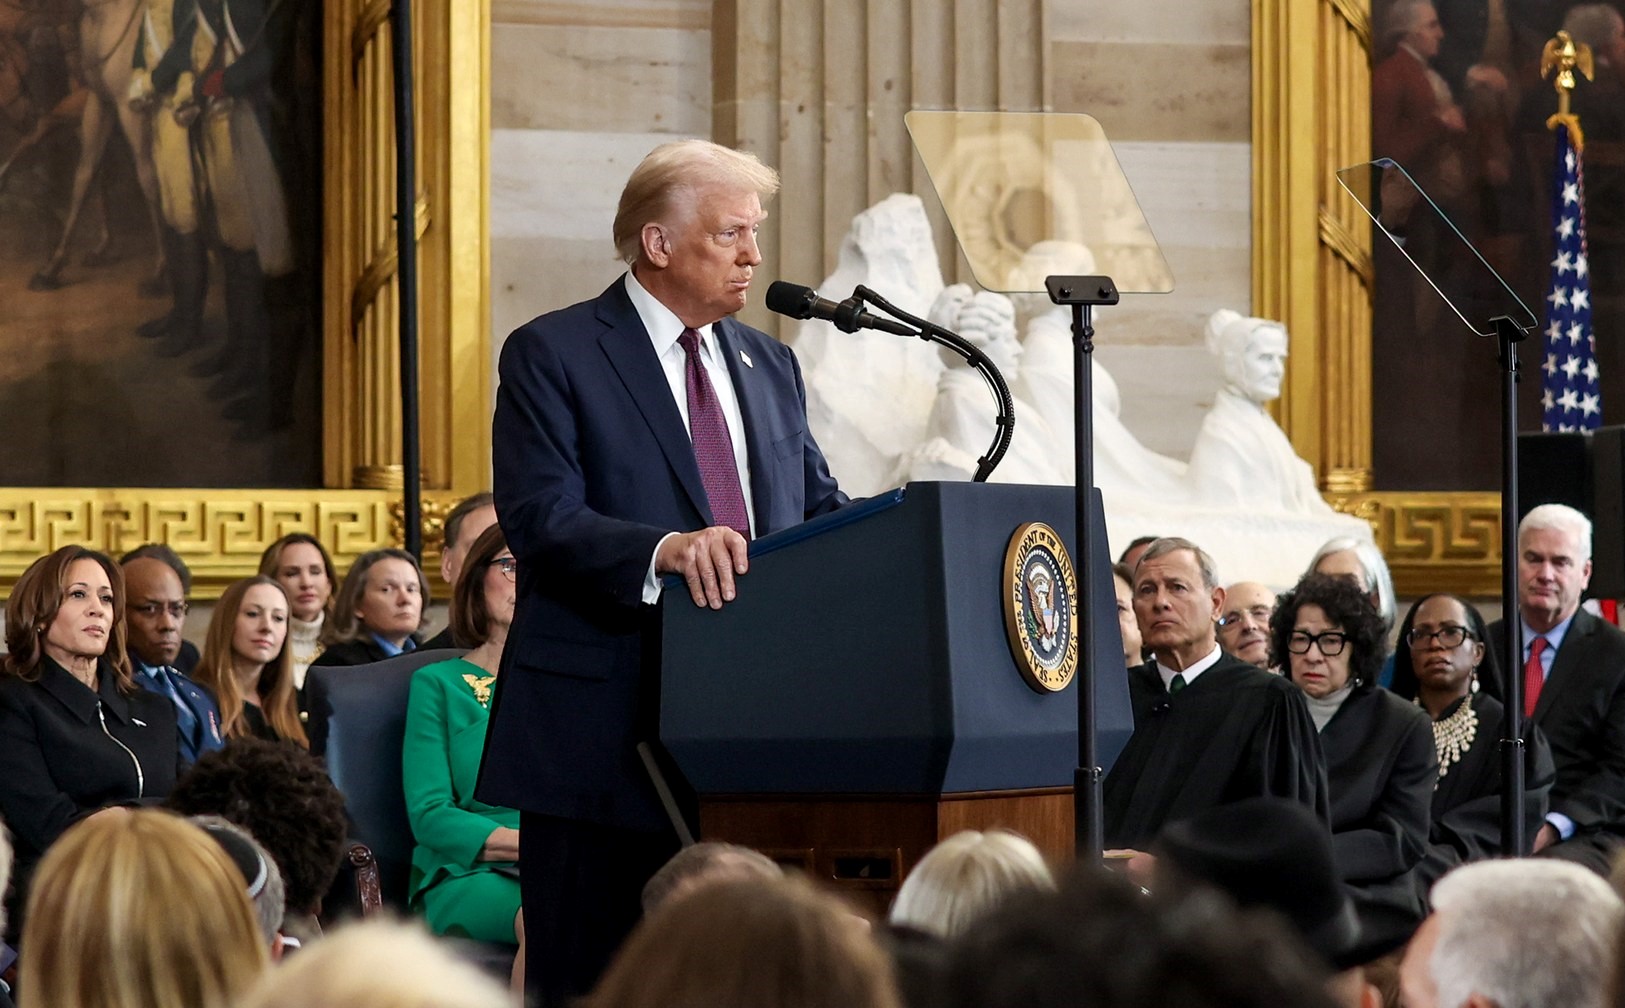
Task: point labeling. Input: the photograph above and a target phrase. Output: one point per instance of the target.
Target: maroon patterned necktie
(713, 446)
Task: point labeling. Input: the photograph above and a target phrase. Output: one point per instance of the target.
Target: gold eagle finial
(1565, 55)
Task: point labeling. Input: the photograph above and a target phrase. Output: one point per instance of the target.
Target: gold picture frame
(1311, 88)
(221, 532)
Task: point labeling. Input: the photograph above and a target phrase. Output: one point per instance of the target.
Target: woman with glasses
(1441, 656)
(1380, 762)
(464, 879)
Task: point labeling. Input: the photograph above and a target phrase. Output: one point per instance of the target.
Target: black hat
(1272, 853)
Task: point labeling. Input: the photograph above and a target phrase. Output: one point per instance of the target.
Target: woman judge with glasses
(1380, 761)
(1441, 655)
(464, 879)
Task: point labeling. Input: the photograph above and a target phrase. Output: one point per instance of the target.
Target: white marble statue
(961, 426)
(869, 394)
(1242, 458)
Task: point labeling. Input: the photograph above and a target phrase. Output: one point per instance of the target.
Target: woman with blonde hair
(248, 666)
(750, 943)
(304, 569)
(138, 909)
(963, 877)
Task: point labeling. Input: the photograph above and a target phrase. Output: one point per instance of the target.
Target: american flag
(1571, 399)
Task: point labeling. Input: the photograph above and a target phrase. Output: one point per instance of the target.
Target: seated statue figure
(1242, 458)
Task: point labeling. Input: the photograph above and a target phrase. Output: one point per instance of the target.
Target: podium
(859, 701)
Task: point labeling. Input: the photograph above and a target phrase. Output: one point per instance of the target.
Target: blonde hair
(746, 944)
(668, 177)
(138, 909)
(966, 875)
(215, 670)
(377, 964)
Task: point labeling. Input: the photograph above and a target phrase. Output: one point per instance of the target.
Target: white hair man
(1572, 666)
(1528, 933)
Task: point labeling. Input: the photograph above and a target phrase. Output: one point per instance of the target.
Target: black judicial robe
(1236, 732)
(1467, 803)
(1381, 766)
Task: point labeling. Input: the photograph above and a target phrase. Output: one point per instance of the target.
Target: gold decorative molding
(1434, 541)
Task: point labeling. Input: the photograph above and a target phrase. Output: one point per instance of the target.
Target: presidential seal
(1040, 607)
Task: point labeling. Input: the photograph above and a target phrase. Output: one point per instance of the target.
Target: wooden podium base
(864, 846)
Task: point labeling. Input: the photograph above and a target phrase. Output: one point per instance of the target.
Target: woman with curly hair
(1380, 762)
(247, 665)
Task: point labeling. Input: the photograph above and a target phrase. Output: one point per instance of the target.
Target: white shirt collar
(1196, 669)
(662, 325)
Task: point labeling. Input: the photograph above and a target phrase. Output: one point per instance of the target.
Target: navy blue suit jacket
(592, 465)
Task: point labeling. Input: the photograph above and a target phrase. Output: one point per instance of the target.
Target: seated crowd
(1301, 816)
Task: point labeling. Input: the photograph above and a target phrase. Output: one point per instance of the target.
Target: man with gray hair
(1514, 934)
(1208, 727)
(1572, 666)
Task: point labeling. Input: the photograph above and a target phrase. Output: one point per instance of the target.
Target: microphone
(800, 302)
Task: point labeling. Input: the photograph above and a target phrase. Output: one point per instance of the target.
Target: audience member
(700, 864)
(1131, 555)
(463, 876)
(154, 609)
(1361, 562)
(1531, 933)
(1380, 762)
(1100, 942)
(76, 733)
(1573, 684)
(377, 964)
(464, 524)
(5, 881)
(1127, 625)
(302, 566)
(138, 909)
(750, 943)
(262, 879)
(187, 658)
(282, 796)
(378, 611)
(1437, 665)
(1208, 728)
(247, 665)
(1244, 629)
(965, 876)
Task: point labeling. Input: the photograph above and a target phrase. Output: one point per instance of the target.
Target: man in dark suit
(639, 434)
(1209, 729)
(154, 609)
(1574, 682)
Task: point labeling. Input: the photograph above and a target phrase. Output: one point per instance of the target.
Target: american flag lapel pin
(746, 358)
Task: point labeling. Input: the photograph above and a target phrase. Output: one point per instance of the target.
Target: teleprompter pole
(1513, 841)
(406, 242)
(1083, 293)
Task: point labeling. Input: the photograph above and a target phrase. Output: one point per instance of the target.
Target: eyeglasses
(1260, 614)
(152, 610)
(507, 564)
(1448, 636)
(1330, 642)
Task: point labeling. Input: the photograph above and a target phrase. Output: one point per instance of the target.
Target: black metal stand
(406, 244)
(1513, 842)
(1083, 293)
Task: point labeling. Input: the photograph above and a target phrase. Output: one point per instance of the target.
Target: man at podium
(642, 433)
(1208, 728)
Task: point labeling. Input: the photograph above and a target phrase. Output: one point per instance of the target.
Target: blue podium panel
(866, 654)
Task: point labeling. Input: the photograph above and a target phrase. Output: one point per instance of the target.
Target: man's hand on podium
(708, 560)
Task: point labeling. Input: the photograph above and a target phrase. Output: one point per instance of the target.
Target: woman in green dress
(464, 879)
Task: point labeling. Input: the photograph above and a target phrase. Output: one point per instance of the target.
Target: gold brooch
(481, 685)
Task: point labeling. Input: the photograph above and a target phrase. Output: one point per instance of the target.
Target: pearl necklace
(1453, 735)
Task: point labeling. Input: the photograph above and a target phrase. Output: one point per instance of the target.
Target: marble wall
(581, 91)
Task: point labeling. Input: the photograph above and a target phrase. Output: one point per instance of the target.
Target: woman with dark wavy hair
(76, 734)
(1380, 762)
(1443, 651)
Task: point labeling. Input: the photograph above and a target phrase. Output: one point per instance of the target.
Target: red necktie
(713, 446)
(1534, 677)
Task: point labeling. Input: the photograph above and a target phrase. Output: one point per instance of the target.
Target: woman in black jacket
(76, 734)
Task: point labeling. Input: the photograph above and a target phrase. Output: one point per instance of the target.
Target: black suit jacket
(1582, 713)
(592, 466)
(67, 751)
